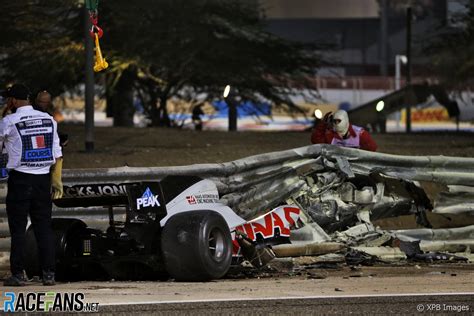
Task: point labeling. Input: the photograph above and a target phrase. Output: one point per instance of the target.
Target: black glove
(328, 118)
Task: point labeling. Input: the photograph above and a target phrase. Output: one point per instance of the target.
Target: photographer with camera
(336, 130)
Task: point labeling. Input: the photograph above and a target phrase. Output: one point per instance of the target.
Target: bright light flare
(380, 106)
(318, 114)
(226, 91)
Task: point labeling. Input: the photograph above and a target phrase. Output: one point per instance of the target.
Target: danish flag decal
(37, 142)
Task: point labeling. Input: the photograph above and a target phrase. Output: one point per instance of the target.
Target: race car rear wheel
(67, 233)
(196, 246)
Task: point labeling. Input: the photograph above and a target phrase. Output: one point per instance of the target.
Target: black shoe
(15, 280)
(48, 278)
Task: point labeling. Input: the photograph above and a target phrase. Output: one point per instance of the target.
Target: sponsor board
(428, 115)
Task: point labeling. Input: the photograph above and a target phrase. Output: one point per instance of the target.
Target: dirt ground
(146, 147)
(301, 282)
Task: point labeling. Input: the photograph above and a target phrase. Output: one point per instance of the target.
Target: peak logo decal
(148, 199)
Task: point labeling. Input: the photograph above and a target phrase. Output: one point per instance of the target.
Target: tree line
(157, 50)
(186, 49)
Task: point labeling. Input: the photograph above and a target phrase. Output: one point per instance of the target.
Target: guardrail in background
(254, 184)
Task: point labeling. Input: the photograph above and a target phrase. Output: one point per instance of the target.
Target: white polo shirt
(31, 140)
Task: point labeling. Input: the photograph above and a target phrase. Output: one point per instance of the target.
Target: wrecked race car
(175, 227)
(340, 204)
(339, 195)
(335, 201)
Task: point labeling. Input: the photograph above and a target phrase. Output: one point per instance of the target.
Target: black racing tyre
(67, 233)
(196, 246)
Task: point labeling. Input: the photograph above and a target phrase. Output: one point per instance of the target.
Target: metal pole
(232, 104)
(397, 72)
(89, 85)
(408, 71)
(383, 37)
(399, 59)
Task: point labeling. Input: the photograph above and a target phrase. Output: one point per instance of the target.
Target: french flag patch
(38, 142)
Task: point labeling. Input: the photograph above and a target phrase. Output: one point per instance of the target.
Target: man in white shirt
(34, 166)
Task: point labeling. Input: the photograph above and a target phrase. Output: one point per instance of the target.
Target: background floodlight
(226, 91)
(380, 106)
(318, 114)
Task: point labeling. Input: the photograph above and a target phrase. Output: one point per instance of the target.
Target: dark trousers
(30, 194)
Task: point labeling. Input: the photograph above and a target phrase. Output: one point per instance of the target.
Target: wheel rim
(216, 244)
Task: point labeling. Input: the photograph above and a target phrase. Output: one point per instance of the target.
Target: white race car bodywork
(202, 195)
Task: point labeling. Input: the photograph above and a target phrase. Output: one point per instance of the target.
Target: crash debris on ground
(343, 198)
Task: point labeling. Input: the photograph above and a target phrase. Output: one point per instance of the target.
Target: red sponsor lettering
(291, 210)
(278, 222)
(265, 230)
(268, 225)
(249, 231)
(235, 247)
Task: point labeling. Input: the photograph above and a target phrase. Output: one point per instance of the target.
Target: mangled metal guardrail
(341, 192)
